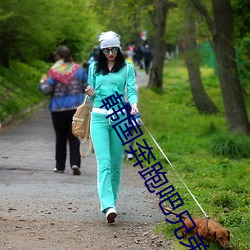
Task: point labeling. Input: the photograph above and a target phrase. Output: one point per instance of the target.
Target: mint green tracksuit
(107, 145)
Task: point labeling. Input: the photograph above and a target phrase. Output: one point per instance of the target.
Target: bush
(224, 200)
(231, 146)
(19, 88)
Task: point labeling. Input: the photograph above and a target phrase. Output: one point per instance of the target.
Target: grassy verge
(19, 88)
(214, 164)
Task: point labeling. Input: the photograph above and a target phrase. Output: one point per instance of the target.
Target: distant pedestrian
(107, 76)
(147, 54)
(138, 55)
(65, 84)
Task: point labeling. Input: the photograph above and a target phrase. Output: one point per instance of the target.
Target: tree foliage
(33, 29)
(126, 17)
(242, 34)
(241, 18)
(28, 33)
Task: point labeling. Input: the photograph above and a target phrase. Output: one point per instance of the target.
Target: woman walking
(65, 84)
(107, 76)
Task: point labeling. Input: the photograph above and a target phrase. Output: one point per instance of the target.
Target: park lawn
(220, 183)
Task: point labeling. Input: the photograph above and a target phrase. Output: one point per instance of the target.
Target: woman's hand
(90, 91)
(134, 109)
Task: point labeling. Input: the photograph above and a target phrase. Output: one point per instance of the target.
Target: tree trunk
(201, 99)
(223, 38)
(235, 109)
(159, 46)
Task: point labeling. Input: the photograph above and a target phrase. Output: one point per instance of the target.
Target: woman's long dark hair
(102, 67)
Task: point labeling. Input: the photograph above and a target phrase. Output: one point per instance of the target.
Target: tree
(28, 33)
(159, 44)
(223, 38)
(242, 33)
(127, 17)
(201, 99)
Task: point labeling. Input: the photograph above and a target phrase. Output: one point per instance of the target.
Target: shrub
(231, 146)
(224, 200)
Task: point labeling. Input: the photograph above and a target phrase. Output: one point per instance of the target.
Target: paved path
(141, 78)
(30, 192)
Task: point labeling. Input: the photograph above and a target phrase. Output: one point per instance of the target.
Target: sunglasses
(106, 51)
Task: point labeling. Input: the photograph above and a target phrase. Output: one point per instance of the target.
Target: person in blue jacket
(65, 83)
(109, 75)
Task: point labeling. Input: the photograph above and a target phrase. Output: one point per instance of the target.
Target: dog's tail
(172, 212)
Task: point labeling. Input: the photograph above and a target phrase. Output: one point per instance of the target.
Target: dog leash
(175, 170)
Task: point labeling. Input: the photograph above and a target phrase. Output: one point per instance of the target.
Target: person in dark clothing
(65, 83)
(147, 54)
(138, 55)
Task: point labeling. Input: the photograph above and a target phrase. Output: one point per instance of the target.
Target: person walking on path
(147, 54)
(108, 75)
(65, 84)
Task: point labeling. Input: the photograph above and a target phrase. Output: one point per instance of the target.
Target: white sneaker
(111, 214)
(129, 157)
(58, 171)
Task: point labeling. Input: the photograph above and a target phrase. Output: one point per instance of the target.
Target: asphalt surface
(26, 164)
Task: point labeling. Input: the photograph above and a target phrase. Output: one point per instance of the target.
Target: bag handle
(91, 148)
(85, 99)
(85, 139)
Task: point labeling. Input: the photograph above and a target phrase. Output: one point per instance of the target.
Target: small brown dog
(210, 229)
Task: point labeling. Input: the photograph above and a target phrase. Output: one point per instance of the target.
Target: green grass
(214, 164)
(19, 88)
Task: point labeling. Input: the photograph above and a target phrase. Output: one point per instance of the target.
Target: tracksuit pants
(108, 150)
